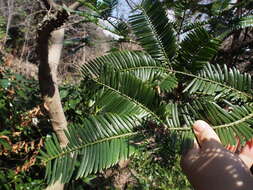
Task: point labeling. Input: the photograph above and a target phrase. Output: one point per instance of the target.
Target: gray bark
(10, 15)
(3, 7)
(49, 57)
(51, 97)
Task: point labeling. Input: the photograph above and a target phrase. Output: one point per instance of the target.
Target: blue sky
(123, 10)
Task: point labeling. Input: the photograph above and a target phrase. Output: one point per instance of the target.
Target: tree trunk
(10, 14)
(49, 86)
(49, 60)
(3, 7)
(49, 57)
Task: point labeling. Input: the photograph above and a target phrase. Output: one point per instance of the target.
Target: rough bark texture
(52, 97)
(49, 57)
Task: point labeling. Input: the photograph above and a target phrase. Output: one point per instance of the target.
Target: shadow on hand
(212, 167)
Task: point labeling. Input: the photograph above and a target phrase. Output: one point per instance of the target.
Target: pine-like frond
(140, 64)
(196, 50)
(244, 22)
(195, 25)
(106, 7)
(236, 24)
(134, 87)
(129, 86)
(109, 101)
(216, 81)
(154, 31)
(172, 115)
(230, 122)
(99, 144)
(129, 91)
(168, 83)
(120, 27)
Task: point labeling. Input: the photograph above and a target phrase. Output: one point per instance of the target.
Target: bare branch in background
(50, 4)
(10, 4)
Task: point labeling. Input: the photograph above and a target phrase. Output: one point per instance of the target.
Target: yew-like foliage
(169, 84)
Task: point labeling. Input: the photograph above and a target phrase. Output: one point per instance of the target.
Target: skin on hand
(245, 153)
(209, 166)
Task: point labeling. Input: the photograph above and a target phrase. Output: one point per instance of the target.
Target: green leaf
(121, 75)
(94, 145)
(5, 83)
(215, 81)
(197, 49)
(153, 31)
(140, 64)
(236, 24)
(219, 6)
(244, 22)
(106, 7)
(4, 143)
(63, 94)
(129, 85)
(73, 103)
(229, 124)
(168, 83)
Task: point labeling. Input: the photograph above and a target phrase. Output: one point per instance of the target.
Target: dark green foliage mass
(20, 135)
(23, 131)
(165, 87)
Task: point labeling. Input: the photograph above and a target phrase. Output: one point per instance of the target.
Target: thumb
(204, 132)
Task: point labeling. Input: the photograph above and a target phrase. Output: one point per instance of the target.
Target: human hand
(211, 166)
(245, 153)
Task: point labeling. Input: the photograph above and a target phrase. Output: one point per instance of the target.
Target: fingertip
(199, 126)
(204, 131)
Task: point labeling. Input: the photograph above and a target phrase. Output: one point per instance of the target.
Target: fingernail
(199, 126)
